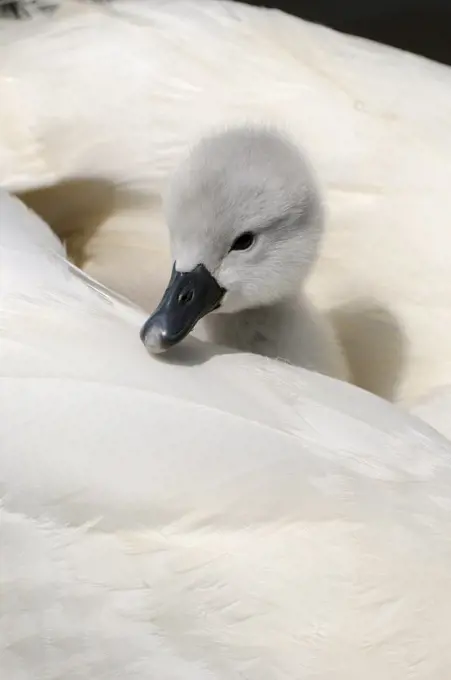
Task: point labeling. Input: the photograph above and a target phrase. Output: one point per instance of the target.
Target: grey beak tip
(153, 337)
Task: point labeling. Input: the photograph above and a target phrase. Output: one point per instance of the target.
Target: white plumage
(218, 515)
(213, 516)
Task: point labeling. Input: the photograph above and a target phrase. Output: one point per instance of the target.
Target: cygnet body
(245, 221)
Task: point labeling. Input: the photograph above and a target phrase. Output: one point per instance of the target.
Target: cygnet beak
(188, 297)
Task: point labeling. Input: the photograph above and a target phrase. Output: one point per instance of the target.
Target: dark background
(420, 26)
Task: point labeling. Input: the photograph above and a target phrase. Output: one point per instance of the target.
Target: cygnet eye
(244, 241)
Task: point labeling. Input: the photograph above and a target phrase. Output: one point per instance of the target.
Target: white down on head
(246, 179)
(213, 516)
(244, 205)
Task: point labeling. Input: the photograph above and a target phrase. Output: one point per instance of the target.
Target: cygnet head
(245, 222)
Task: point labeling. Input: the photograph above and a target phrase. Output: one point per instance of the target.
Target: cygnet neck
(291, 329)
(256, 329)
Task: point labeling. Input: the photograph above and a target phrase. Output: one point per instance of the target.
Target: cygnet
(245, 220)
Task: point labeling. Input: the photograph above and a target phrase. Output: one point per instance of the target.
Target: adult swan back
(212, 516)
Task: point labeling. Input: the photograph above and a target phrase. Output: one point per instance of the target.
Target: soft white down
(245, 207)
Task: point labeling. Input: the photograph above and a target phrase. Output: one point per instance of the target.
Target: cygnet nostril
(186, 296)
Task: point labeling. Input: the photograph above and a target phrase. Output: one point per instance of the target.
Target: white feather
(214, 516)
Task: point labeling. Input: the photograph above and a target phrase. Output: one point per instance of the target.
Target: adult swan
(206, 517)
